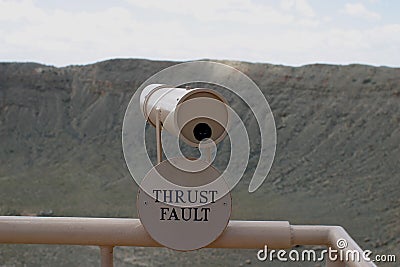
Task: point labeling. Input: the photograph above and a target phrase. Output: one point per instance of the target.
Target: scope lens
(202, 131)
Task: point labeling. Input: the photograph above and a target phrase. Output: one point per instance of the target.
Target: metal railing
(110, 232)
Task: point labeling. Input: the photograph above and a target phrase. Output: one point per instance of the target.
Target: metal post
(158, 135)
(208, 149)
(337, 263)
(106, 256)
(334, 262)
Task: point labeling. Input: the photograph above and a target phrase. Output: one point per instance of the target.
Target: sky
(287, 32)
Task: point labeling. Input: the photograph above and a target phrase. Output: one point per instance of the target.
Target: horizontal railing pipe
(110, 232)
(130, 232)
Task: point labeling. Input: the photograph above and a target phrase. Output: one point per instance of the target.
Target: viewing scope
(193, 114)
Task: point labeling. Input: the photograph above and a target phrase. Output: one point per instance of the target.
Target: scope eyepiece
(202, 131)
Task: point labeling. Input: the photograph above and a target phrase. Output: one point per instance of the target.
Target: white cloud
(244, 11)
(225, 29)
(359, 10)
(62, 37)
(301, 6)
(17, 10)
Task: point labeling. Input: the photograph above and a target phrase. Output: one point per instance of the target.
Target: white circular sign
(184, 211)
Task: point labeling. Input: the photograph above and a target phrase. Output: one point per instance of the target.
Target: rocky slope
(337, 159)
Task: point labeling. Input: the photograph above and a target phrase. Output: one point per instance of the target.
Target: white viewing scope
(192, 114)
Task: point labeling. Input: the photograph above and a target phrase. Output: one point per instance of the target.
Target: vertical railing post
(107, 256)
(334, 262)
